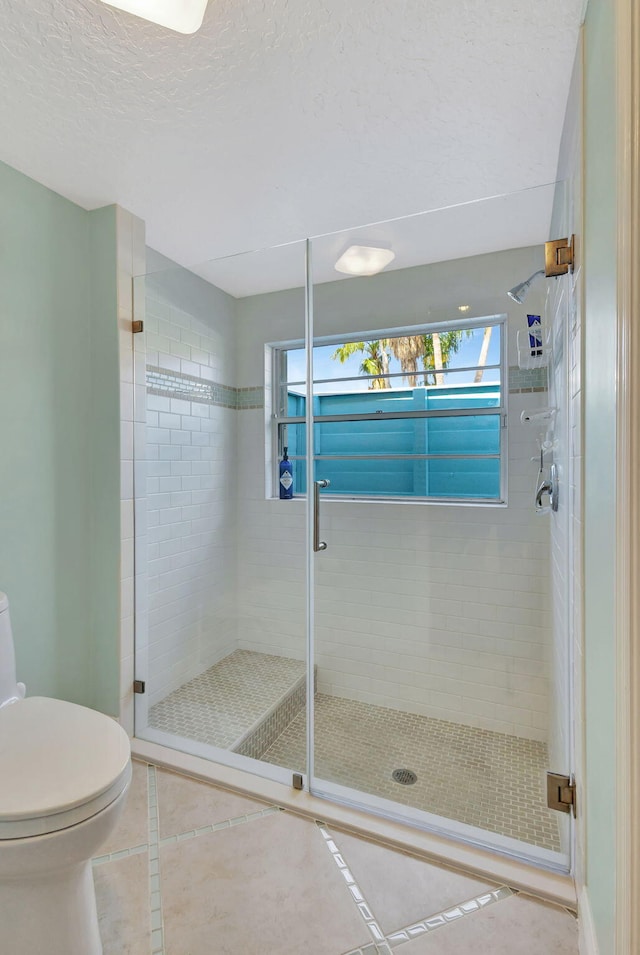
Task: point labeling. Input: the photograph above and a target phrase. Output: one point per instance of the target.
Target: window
(413, 414)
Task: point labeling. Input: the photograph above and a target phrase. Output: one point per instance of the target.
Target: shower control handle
(549, 487)
(317, 543)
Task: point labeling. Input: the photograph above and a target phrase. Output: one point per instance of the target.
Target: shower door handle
(317, 543)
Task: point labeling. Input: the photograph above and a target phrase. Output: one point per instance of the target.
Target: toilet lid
(59, 764)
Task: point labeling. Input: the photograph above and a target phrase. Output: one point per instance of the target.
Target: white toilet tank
(10, 691)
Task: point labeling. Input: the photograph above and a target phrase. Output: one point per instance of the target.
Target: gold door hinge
(561, 793)
(139, 686)
(558, 256)
(137, 326)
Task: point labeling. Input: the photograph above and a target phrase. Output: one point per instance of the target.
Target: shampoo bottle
(286, 477)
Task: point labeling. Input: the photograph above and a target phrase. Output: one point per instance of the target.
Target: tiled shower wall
(190, 460)
(564, 311)
(439, 610)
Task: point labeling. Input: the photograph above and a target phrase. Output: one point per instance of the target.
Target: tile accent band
(173, 384)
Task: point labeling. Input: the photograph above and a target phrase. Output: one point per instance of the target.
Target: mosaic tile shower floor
(478, 777)
(485, 779)
(224, 703)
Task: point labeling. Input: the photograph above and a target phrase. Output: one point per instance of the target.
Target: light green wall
(59, 562)
(599, 462)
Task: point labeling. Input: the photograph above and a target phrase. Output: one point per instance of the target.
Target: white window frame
(275, 419)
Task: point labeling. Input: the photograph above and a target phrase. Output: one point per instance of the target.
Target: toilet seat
(59, 764)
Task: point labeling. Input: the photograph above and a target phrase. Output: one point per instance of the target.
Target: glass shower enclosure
(382, 626)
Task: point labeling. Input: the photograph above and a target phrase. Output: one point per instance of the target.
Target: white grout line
(449, 915)
(214, 827)
(120, 854)
(382, 945)
(157, 926)
(373, 949)
(356, 894)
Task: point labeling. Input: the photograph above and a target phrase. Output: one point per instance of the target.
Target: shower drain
(404, 776)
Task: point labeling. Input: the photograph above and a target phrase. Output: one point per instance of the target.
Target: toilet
(64, 776)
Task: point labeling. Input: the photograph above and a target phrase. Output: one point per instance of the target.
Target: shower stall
(392, 634)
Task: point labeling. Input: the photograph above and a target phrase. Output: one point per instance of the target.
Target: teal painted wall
(599, 462)
(58, 420)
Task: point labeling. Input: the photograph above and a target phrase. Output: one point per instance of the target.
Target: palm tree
(435, 351)
(438, 350)
(375, 362)
(484, 351)
(408, 350)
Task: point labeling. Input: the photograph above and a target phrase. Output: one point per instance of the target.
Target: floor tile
(122, 896)
(185, 803)
(263, 888)
(400, 889)
(132, 828)
(482, 778)
(490, 780)
(515, 926)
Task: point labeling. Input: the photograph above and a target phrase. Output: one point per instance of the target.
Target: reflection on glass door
(222, 648)
(436, 696)
(425, 674)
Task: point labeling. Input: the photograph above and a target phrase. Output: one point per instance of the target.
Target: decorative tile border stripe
(358, 897)
(526, 380)
(157, 926)
(450, 915)
(216, 826)
(173, 384)
(250, 398)
(121, 854)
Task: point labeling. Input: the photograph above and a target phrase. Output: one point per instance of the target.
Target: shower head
(519, 292)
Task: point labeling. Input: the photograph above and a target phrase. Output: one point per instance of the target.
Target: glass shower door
(439, 697)
(221, 595)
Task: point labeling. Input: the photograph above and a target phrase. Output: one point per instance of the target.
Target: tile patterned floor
(478, 777)
(223, 874)
(225, 702)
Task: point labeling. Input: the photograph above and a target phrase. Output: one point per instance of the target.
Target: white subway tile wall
(563, 313)
(442, 611)
(191, 536)
(436, 610)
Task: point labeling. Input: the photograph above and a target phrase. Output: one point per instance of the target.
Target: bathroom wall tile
(267, 886)
(495, 558)
(122, 897)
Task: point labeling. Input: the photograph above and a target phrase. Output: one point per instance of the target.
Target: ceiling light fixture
(183, 16)
(463, 308)
(364, 260)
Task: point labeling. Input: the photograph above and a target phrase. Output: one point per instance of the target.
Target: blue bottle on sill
(286, 477)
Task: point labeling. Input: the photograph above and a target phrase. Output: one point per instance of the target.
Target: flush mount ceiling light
(183, 16)
(364, 260)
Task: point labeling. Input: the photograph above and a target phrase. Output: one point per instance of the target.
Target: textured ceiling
(284, 118)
